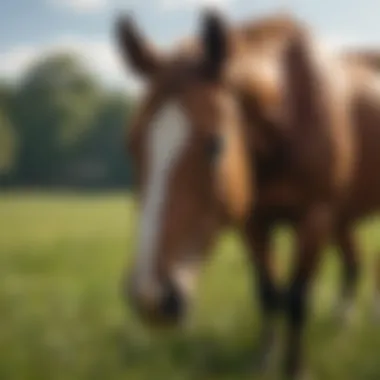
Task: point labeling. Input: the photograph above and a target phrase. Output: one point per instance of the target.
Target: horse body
(365, 194)
(274, 143)
(274, 130)
(315, 160)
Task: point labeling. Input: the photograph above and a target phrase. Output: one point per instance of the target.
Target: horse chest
(279, 193)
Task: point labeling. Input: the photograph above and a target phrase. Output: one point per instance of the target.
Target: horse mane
(271, 28)
(368, 57)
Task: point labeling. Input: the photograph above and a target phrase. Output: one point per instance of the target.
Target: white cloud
(14, 61)
(82, 6)
(97, 5)
(177, 4)
(349, 42)
(100, 57)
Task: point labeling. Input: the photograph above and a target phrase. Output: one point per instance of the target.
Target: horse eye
(214, 147)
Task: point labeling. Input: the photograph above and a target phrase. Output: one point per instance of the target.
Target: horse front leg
(311, 235)
(349, 253)
(258, 238)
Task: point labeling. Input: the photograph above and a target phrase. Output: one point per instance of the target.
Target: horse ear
(136, 51)
(214, 37)
(234, 172)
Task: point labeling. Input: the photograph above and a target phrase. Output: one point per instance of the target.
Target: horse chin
(170, 313)
(157, 322)
(158, 325)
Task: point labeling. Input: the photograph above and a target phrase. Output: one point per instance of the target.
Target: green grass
(61, 315)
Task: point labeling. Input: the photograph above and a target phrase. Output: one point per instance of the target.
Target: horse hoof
(265, 358)
(376, 311)
(267, 355)
(300, 375)
(265, 361)
(345, 314)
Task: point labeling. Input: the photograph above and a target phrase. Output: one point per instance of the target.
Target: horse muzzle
(157, 303)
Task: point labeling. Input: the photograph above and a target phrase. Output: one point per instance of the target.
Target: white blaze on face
(166, 141)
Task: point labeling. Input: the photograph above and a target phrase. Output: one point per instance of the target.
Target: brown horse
(249, 126)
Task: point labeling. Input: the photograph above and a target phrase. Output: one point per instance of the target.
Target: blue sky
(32, 28)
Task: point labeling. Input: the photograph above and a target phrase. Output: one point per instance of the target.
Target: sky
(30, 29)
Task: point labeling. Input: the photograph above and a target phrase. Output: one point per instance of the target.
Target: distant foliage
(8, 145)
(60, 128)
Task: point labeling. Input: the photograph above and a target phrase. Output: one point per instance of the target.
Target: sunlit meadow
(62, 316)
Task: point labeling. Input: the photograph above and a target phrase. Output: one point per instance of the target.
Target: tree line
(59, 127)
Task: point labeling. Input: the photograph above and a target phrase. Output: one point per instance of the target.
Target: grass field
(61, 317)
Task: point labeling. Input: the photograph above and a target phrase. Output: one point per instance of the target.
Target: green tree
(54, 107)
(101, 154)
(8, 147)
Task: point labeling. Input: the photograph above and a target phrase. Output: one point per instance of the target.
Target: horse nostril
(155, 302)
(173, 304)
